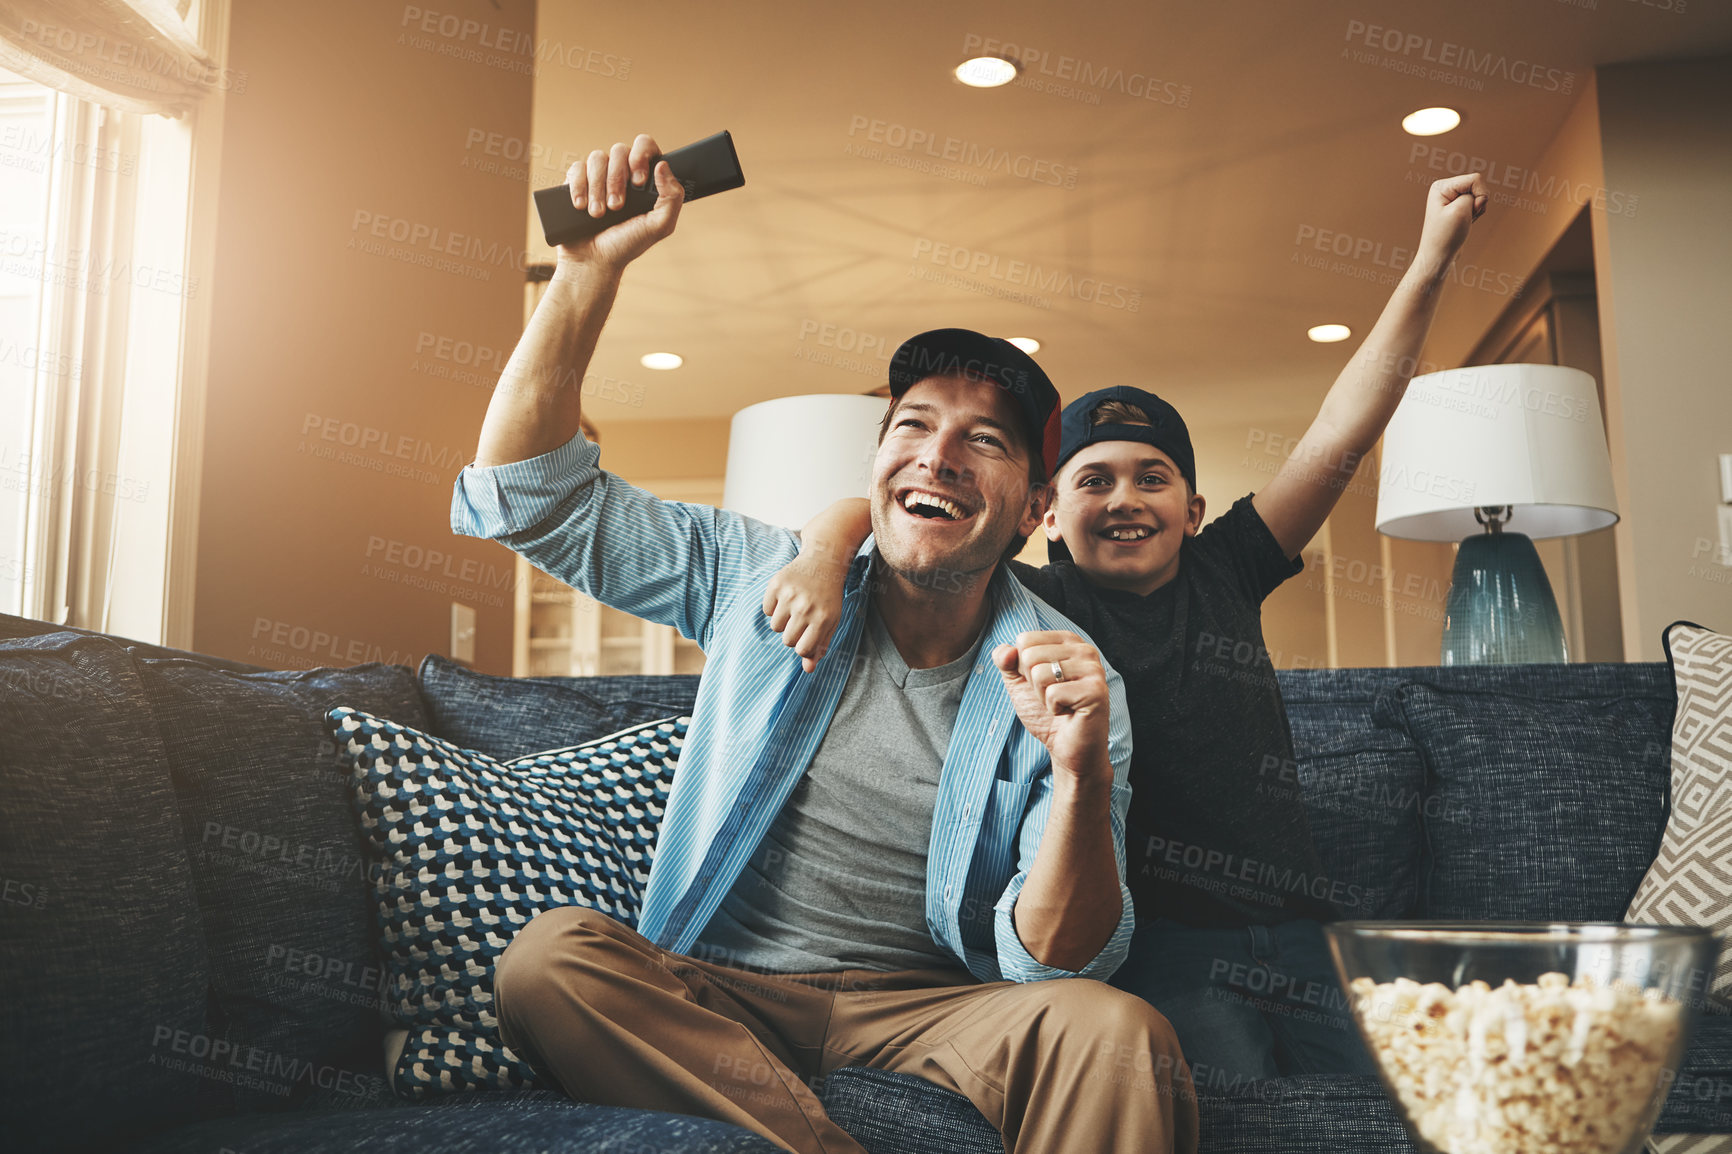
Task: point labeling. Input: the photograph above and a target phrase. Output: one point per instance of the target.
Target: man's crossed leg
(1061, 1065)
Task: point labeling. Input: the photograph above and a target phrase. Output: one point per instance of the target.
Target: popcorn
(1551, 1067)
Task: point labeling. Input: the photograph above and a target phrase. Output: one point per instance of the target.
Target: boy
(1225, 878)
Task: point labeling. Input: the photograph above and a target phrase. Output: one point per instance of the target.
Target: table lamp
(1494, 457)
(792, 457)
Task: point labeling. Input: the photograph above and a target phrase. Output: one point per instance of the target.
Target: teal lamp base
(1501, 610)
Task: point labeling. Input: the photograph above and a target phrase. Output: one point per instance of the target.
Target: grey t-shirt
(839, 881)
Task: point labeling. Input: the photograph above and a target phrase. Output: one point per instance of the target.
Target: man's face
(1123, 509)
(950, 486)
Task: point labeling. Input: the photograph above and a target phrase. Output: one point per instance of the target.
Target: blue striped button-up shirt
(759, 719)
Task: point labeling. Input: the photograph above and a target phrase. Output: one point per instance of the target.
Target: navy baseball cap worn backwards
(1166, 430)
(947, 352)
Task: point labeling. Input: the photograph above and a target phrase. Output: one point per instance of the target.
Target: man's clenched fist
(1059, 688)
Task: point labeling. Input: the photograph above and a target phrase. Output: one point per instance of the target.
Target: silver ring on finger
(1057, 671)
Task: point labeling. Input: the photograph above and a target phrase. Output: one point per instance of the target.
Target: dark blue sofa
(177, 856)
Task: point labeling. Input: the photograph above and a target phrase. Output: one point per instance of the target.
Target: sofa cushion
(508, 716)
(471, 849)
(1363, 801)
(13, 627)
(890, 1113)
(533, 1123)
(280, 866)
(1363, 787)
(1316, 1114)
(103, 968)
(900, 1114)
(1550, 796)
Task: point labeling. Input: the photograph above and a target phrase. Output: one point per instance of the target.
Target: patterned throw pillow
(467, 849)
(1688, 883)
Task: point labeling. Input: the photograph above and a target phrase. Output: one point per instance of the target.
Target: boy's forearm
(537, 404)
(837, 533)
(1364, 397)
(1354, 414)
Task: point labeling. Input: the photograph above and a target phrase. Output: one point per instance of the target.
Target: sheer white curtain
(104, 421)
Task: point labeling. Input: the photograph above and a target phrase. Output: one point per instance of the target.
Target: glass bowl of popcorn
(1538, 1038)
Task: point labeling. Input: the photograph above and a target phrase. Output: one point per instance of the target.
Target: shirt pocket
(1009, 802)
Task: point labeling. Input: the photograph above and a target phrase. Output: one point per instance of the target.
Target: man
(910, 860)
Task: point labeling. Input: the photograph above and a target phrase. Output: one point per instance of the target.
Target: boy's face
(950, 485)
(1123, 509)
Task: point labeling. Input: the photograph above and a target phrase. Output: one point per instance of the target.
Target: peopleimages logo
(511, 49)
(1068, 76)
(1027, 275)
(1529, 189)
(955, 150)
(93, 56)
(1364, 258)
(912, 365)
(1411, 52)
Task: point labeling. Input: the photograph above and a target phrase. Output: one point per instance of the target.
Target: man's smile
(928, 505)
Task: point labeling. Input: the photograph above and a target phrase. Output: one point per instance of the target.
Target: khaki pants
(1070, 1065)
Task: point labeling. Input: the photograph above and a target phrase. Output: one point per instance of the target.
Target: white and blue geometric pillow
(467, 849)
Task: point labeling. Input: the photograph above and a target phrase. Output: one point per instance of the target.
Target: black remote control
(708, 166)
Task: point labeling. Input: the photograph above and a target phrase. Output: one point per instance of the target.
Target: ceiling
(1269, 117)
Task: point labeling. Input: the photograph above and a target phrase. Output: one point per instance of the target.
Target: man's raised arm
(537, 486)
(536, 405)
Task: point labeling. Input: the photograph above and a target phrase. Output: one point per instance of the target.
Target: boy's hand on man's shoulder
(1058, 687)
(804, 604)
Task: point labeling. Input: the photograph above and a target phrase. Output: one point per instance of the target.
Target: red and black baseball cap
(945, 352)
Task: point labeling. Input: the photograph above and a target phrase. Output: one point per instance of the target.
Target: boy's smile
(1123, 509)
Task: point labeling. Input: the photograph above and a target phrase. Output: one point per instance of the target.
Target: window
(26, 136)
(102, 319)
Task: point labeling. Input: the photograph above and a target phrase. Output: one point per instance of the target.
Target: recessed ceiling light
(1328, 334)
(1430, 121)
(987, 71)
(1027, 344)
(662, 360)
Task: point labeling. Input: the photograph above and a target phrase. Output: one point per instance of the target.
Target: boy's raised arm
(535, 407)
(804, 600)
(1298, 500)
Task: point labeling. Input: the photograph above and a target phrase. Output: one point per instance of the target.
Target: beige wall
(1238, 458)
(643, 451)
(1666, 295)
(307, 556)
(1649, 149)
(1361, 599)
(1511, 241)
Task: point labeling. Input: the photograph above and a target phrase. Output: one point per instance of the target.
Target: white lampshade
(792, 457)
(1527, 436)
